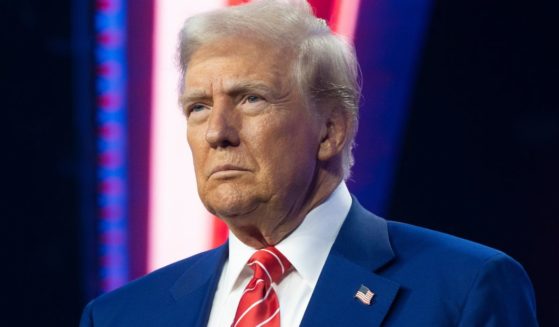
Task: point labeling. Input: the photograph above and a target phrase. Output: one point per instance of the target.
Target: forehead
(237, 59)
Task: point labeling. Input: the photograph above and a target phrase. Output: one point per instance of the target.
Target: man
(270, 97)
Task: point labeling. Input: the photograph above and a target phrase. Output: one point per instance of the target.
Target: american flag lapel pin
(364, 294)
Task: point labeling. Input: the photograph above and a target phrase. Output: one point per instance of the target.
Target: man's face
(254, 140)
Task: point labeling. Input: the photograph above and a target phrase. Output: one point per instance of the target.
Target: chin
(229, 201)
(232, 210)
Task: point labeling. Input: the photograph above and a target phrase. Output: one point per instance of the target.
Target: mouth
(226, 170)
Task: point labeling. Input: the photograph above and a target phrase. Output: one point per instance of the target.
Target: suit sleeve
(501, 295)
(87, 317)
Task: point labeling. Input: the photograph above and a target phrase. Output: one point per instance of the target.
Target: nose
(222, 128)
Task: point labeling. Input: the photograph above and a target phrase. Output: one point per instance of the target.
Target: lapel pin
(364, 295)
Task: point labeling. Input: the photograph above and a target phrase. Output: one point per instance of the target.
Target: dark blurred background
(41, 172)
(479, 151)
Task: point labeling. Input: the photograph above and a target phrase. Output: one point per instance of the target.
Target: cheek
(196, 143)
(288, 151)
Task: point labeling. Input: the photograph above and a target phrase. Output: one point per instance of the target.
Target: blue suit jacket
(419, 277)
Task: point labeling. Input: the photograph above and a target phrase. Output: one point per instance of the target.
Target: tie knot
(269, 264)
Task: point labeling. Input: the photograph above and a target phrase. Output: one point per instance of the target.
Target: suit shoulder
(409, 239)
(441, 255)
(150, 289)
(468, 283)
(164, 275)
(446, 258)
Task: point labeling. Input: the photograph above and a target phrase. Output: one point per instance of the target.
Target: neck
(269, 226)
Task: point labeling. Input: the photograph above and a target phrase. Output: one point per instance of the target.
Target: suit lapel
(193, 292)
(361, 248)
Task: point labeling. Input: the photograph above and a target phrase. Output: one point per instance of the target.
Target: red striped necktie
(259, 305)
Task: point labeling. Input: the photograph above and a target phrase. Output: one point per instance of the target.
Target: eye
(252, 98)
(196, 107)
(253, 104)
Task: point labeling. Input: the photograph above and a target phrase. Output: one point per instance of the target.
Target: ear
(334, 133)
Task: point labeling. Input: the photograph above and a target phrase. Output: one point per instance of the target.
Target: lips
(226, 168)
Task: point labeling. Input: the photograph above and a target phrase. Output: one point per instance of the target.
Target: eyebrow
(240, 87)
(193, 96)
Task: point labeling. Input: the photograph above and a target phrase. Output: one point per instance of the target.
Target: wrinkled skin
(263, 157)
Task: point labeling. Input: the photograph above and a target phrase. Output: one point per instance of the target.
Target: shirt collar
(315, 235)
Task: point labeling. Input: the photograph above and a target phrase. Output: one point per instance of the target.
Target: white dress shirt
(307, 248)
